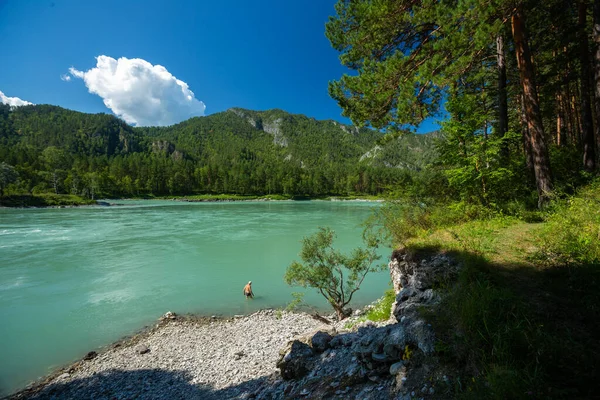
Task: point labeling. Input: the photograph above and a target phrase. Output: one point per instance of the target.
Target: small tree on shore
(337, 276)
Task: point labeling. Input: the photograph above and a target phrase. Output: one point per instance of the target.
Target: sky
(157, 62)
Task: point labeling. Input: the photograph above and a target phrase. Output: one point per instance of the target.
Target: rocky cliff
(395, 359)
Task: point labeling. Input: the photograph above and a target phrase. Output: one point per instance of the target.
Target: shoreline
(127, 340)
(111, 202)
(272, 329)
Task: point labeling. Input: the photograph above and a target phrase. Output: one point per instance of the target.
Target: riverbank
(45, 200)
(182, 357)
(66, 200)
(270, 354)
(271, 197)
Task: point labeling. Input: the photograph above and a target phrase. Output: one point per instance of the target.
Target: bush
(572, 232)
(337, 276)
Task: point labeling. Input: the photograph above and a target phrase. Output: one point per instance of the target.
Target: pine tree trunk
(502, 96)
(596, 35)
(570, 134)
(526, 141)
(541, 164)
(561, 115)
(561, 126)
(589, 142)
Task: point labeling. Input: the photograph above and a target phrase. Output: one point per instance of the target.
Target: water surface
(72, 280)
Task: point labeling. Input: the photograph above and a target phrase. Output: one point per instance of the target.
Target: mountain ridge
(234, 151)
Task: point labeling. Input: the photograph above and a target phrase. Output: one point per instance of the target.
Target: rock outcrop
(393, 359)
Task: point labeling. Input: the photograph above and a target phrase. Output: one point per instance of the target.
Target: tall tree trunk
(526, 141)
(561, 115)
(561, 126)
(502, 95)
(589, 142)
(570, 134)
(576, 116)
(596, 36)
(541, 163)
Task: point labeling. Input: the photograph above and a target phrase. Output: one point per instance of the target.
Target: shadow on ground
(520, 329)
(138, 384)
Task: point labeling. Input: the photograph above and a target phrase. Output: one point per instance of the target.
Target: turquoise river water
(73, 280)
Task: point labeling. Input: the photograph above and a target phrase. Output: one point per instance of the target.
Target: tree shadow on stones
(145, 384)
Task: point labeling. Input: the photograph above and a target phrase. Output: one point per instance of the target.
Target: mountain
(236, 151)
(408, 151)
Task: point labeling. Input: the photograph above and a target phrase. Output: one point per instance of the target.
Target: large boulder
(320, 341)
(295, 360)
(415, 277)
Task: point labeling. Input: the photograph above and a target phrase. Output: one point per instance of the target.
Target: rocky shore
(181, 358)
(273, 354)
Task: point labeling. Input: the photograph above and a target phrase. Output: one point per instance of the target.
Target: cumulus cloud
(13, 101)
(139, 92)
(65, 77)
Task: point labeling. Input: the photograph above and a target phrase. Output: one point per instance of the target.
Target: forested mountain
(237, 151)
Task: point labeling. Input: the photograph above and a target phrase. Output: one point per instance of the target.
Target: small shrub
(382, 308)
(298, 300)
(337, 276)
(278, 313)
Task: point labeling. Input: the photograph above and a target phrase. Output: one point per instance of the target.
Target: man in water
(248, 290)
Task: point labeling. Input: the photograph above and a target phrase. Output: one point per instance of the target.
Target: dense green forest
(48, 149)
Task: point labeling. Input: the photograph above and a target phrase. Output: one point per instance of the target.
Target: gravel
(184, 358)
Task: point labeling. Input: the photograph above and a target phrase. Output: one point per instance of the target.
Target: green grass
(523, 319)
(382, 308)
(571, 235)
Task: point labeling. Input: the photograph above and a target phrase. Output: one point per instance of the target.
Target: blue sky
(258, 55)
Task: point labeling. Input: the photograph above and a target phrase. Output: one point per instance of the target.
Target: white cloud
(139, 92)
(13, 101)
(65, 77)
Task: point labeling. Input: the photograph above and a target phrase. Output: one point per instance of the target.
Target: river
(75, 279)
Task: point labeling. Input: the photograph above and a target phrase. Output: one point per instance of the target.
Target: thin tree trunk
(589, 142)
(577, 116)
(502, 96)
(596, 35)
(570, 134)
(526, 141)
(561, 128)
(541, 164)
(561, 117)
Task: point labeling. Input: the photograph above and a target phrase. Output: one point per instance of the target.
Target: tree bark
(541, 163)
(526, 141)
(561, 126)
(502, 96)
(587, 124)
(596, 36)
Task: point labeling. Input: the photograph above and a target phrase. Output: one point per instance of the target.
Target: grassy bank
(44, 200)
(524, 317)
